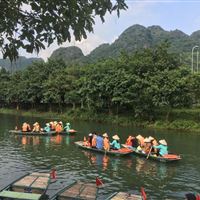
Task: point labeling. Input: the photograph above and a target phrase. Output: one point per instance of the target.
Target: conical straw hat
(163, 142)
(116, 137)
(105, 135)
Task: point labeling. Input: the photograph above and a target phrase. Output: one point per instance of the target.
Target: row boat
(77, 191)
(120, 152)
(19, 132)
(29, 187)
(69, 132)
(124, 196)
(166, 158)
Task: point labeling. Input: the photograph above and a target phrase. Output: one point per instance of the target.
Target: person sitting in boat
(52, 126)
(99, 142)
(90, 136)
(94, 140)
(26, 127)
(162, 148)
(153, 143)
(47, 128)
(59, 127)
(106, 142)
(147, 145)
(140, 140)
(115, 143)
(36, 127)
(129, 140)
(67, 127)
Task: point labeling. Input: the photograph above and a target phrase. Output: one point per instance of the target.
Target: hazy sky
(169, 14)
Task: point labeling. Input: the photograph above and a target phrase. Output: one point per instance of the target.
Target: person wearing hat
(115, 143)
(106, 142)
(99, 142)
(153, 143)
(94, 140)
(58, 128)
(147, 145)
(47, 128)
(67, 127)
(26, 127)
(90, 136)
(140, 140)
(36, 127)
(162, 148)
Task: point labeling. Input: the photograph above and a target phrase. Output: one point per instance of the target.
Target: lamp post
(192, 58)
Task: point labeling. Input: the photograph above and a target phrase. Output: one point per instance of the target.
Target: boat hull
(153, 157)
(111, 152)
(19, 132)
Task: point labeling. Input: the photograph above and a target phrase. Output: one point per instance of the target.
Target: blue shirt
(115, 144)
(99, 142)
(162, 149)
(47, 128)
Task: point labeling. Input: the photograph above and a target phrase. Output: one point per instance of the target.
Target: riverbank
(185, 120)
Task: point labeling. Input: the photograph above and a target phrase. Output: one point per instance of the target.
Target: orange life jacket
(129, 141)
(106, 144)
(58, 128)
(94, 141)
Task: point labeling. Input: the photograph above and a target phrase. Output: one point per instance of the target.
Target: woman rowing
(162, 148)
(115, 143)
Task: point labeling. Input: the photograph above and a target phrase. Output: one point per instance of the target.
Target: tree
(30, 24)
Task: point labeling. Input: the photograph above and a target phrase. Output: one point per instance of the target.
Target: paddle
(149, 152)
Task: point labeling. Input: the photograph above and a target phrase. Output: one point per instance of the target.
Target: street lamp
(192, 58)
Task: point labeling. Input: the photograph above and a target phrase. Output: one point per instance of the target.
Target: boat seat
(20, 195)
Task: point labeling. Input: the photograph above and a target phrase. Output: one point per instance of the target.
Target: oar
(149, 152)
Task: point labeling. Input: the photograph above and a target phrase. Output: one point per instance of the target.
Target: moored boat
(124, 196)
(78, 191)
(29, 187)
(42, 133)
(128, 196)
(121, 152)
(166, 158)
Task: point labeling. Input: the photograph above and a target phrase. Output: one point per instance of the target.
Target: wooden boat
(124, 196)
(120, 152)
(19, 132)
(70, 132)
(30, 187)
(166, 158)
(78, 191)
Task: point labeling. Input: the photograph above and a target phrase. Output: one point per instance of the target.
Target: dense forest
(137, 85)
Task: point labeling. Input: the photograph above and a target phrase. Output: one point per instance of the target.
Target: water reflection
(98, 160)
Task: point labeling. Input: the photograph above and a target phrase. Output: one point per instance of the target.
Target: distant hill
(21, 63)
(132, 39)
(68, 54)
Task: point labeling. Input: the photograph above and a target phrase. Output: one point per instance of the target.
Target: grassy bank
(186, 120)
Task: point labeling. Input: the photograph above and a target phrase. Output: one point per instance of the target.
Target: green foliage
(137, 85)
(30, 24)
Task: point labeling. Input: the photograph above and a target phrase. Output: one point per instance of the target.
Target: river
(19, 155)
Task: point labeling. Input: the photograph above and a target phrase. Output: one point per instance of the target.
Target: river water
(21, 154)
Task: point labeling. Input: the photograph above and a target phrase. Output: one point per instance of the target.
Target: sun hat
(47, 124)
(115, 137)
(151, 138)
(105, 135)
(147, 140)
(60, 122)
(90, 134)
(139, 137)
(163, 142)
